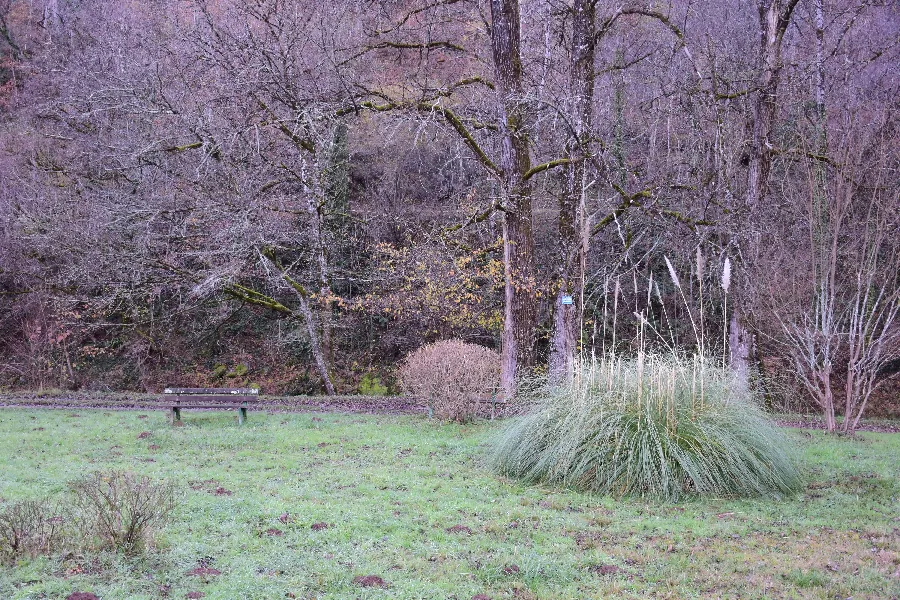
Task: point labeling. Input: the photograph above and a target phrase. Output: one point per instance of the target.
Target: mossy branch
(251, 296)
(545, 166)
(457, 124)
(451, 117)
(185, 147)
(634, 200)
(413, 46)
(301, 142)
(476, 218)
(356, 108)
(470, 81)
(269, 253)
(653, 14)
(403, 46)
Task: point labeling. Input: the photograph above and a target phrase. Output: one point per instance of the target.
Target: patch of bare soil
(318, 526)
(139, 401)
(811, 423)
(204, 572)
(459, 529)
(370, 581)
(287, 404)
(605, 569)
(81, 596)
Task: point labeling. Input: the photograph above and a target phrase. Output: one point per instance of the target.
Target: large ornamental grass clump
(655, 426)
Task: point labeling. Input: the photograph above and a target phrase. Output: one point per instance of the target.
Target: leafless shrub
(453, 377)
(121, 510)
(30, 528)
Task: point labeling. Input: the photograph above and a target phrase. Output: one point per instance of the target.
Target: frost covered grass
(311, 505)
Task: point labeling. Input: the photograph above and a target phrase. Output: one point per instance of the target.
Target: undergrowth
(655, 426)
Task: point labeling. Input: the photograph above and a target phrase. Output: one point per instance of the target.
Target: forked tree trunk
(520, 311)
(316, 346)
(573, 241)
(773, 22)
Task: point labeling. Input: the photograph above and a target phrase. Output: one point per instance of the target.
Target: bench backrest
(215, 395)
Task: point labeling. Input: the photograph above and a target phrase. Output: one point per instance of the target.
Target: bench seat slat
(219, 406)
(222, 399)
(211, 391)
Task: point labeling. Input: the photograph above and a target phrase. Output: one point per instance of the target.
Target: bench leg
(242, 415)
(176, 414)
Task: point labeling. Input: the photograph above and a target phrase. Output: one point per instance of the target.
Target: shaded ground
(384, 405)
(129, 401)
(410, 511)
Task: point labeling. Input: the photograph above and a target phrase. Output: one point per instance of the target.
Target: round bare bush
(453, 377)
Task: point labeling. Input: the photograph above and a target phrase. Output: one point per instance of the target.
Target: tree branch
(545, 166)
(461, 129)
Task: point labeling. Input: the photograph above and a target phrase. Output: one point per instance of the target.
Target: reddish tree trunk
(520, 313)
(573, 241)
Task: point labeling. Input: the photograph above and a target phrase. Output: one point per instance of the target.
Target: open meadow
(309, 505)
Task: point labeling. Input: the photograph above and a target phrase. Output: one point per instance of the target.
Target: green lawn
(390, 488)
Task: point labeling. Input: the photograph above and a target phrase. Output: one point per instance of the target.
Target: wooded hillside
(297, 194)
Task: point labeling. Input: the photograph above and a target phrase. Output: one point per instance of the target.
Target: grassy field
(410, 501)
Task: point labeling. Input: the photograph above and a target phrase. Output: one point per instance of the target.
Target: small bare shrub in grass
(121, 510)
(453, 377)
(653, 426)
(30, 528)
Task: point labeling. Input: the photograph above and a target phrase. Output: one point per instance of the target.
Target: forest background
(296, 194)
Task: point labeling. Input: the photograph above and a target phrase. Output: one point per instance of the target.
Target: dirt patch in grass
(604, 569)
(204, 572)
(318, 526)
(81, 596)
(370, 581)
(144, 435)
(459, 529)
(812, 423)
(210, 486)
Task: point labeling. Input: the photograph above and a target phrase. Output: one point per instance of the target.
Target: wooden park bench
(223, 398)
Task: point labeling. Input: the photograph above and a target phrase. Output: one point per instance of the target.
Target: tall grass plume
(655, 426)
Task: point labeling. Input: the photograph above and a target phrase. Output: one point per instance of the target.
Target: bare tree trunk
(568, 309)
(316, 346)
(314, 206)
(306, 312)
(520, 312)
(773, 22)
(740, 347)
